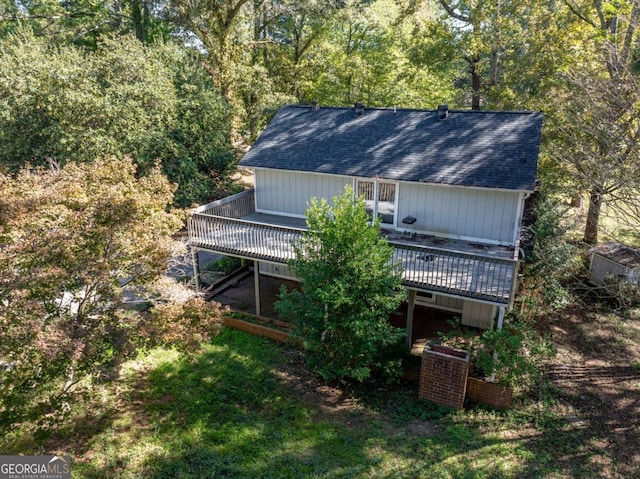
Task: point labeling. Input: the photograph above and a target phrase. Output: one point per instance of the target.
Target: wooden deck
(484, 272)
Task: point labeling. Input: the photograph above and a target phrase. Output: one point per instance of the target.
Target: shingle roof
(625, 255)
(485, 149)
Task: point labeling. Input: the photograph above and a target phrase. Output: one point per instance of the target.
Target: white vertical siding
(449, 302)
(474, 214)
(478, 315)
(467, 213)
(439, 301)
(277, 270)
(601, 267)
(289, 192)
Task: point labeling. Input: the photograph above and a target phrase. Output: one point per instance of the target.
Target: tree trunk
(593, 216)
(476, 83)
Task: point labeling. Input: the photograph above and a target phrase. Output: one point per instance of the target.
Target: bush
(625, 294)
(513, 354)
(348, 289)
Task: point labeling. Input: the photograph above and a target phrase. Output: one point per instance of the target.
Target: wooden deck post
(196, 267)
(492, 378)
(256, 285)
(411, 305)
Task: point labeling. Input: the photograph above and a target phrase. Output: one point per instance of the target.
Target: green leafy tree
(382, 55)
(70, 104)
(74, 239)
(215, 23)
(85, 22)
(348, 289)
(508, 54)
(596, 140)
(599, 147)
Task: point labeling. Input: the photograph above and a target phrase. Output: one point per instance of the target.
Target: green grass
(233, 412)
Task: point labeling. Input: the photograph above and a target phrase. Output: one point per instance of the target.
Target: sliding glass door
(380, 199)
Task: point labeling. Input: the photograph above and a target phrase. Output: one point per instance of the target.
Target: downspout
(520, 212)
(514, 285)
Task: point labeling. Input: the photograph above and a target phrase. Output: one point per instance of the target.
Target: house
(449, 186)
(616, 260)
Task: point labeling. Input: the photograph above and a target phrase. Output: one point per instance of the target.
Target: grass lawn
(246, 408)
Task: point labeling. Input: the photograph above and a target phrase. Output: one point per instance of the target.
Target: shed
(617, 260)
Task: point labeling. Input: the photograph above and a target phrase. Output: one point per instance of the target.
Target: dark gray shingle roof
(470, 148)
(625, 255)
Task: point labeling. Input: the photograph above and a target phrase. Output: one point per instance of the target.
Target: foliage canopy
(68, 104)
(73, 240)
(348, 289)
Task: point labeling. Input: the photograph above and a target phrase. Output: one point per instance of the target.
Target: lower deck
(427, 323)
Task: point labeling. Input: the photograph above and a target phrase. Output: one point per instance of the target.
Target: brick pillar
(443, 375)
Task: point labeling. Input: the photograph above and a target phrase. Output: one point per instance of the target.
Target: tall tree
(73, 240)
(608, 153)
(597, 139)
(511, 50)
(253, 50)
(215, 24)
(348, 289)
(70, 104)
(84, 22)
(383, 55)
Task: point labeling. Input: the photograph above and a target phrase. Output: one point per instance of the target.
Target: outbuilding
(616, 260)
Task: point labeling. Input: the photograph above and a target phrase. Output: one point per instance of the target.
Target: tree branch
(12, 18)
(628, 39)
(451, 11)
(576, 11)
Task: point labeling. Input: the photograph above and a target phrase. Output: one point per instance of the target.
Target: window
(380, 199)
(424, 297)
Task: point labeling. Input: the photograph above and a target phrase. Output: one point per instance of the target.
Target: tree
(70, 104)
(85, 22)
(348, 288)
(603, 147)
(381, 55)
(73, 240)
(597, 140)
(509, 51)
(214, 23)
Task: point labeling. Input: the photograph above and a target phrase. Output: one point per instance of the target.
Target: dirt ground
(597, 373)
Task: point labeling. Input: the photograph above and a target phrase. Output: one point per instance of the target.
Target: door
(380, 199)
(386, 203)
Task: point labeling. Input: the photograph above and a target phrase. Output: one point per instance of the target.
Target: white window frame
(376, 189)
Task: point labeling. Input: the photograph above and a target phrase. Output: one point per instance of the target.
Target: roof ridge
(393, 108)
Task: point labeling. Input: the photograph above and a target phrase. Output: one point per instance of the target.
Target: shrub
(512, 354)
(349, 287)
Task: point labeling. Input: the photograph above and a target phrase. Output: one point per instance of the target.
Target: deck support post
(500, 317)
(411, 305)
(492, 378)
(256, 285)
(196, 267)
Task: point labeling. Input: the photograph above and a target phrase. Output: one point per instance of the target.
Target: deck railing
(243, 238)
(235, 206)
(218, 227)
(462, 274)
